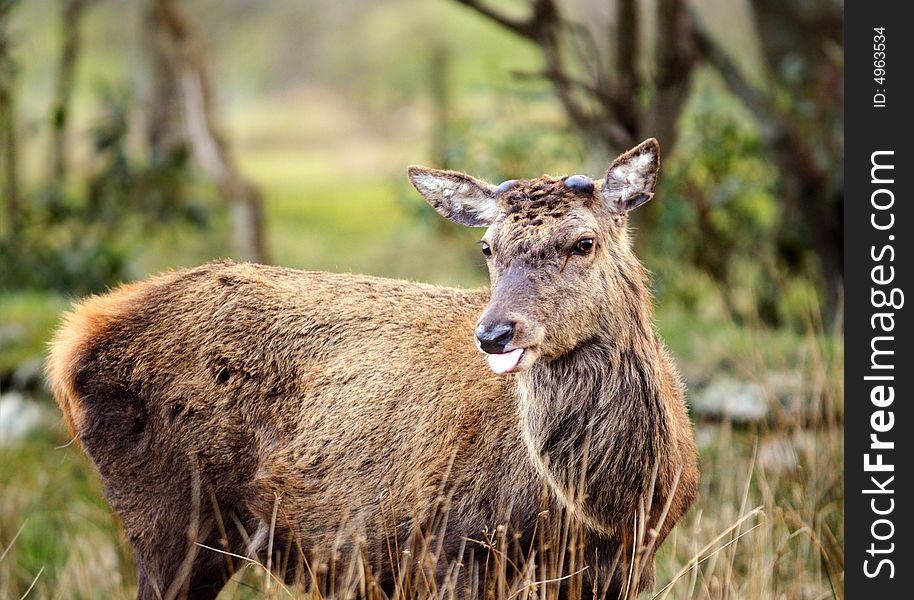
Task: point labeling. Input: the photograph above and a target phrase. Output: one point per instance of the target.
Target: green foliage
(27, 320)
(80, 239)
(719, 217)
(496, 153)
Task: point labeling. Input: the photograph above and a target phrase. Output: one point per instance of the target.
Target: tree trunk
(63, 86)
(674, 64)
(164, 122)
(10, 170)
(179, 57)
(211, 153)
(820, 208)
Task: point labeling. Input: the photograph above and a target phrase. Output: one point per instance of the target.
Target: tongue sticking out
(505, 363)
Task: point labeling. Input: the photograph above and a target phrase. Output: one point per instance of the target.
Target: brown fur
(348, 415)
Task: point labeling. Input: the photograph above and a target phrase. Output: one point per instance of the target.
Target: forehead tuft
(535, 201)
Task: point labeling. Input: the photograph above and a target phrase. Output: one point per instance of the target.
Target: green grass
(26, 319)
(370, 227)
(53, 521)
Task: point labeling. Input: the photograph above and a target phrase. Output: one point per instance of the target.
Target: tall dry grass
(768, 521)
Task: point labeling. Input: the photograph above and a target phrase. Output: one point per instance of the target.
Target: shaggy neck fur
(595, 423)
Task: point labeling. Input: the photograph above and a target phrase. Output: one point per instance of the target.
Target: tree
(71, 18)
(799, 105)
(602, 87)
(612, 103)
(183, 114)
(12, 210)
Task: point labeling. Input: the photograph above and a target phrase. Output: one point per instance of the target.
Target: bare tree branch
(523, 28)
(626, 78)
(674, 63)
(753, 98)
(586, 50)
(605, 110)
(545, 27)
(595, 93)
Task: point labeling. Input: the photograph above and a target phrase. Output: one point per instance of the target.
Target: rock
(775, 394)
(11, 332)
(789, 389)
(28, 374)
(18, 416)
(777, 456)
(731, 399)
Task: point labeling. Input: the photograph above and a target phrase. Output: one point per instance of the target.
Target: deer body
(260, 410)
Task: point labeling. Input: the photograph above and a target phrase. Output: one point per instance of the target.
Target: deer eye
(486, 249)
(584, 246)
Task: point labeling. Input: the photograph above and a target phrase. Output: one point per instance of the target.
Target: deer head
(561, 267)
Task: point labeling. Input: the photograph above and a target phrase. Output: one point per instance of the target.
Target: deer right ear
(456, 196)
(631, 178)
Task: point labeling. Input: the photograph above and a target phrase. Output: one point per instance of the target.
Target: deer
(389, 433)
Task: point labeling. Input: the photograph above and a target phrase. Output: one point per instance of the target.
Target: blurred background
(143, 135)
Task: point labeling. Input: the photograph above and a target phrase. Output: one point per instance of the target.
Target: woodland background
(144, 135)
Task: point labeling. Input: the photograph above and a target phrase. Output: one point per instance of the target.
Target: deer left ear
(631, 178)
(456, 196)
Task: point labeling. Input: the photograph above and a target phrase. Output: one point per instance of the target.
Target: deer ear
(631, 178)
(456, 196)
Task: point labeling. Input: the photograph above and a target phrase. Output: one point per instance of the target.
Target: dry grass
(768, 522)
(757, 531)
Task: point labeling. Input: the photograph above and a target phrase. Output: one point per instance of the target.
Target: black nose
(494, 337)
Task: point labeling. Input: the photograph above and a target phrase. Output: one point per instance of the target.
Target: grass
(25, 320)
(768, 522)
(53, 520)
(374, 230)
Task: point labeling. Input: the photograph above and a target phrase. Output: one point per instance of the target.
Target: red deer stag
(348, 432)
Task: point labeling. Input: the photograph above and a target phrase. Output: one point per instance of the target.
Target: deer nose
(493, 338)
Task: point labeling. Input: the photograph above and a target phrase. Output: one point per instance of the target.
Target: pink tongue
(504, 363)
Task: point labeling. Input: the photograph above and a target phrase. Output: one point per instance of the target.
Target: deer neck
(595, 425)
